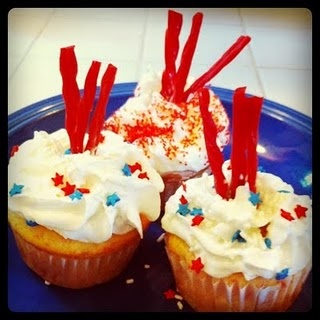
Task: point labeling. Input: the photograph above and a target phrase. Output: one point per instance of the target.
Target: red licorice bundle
(245, 124)
(78, 110)
(173, 82)
(215, 156)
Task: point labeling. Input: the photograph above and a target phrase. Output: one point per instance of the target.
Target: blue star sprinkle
(126, 170)
(236, 236)
(267, 241)
(254, 198)
(68, 151)
(282, 274)
(16, 189)
(196, 212)
(31, 223)
(283, 191)
(183, 209)
(112, 199)
(261, 169)
(76, 195)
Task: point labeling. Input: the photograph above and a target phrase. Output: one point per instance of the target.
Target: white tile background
(277, 63)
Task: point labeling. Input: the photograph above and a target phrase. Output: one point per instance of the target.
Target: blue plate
(286, 136)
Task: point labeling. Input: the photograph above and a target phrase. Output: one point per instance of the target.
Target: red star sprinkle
(197, 265)
(143, 175)
(83, 190)
(134, 167)
(197, 220)
(263, 230)
(184, 186)
(169, 294)
(183, 200)
(57, 180)
(14, 150)
(68, 189)
(300, 211)
(287, 215)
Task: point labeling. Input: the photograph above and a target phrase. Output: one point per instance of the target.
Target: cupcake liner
(233, 294)
(75, 272)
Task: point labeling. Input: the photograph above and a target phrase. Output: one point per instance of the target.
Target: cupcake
(163, 116)
(81, 198)
(240, 239)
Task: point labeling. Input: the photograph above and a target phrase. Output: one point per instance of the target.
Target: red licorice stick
(226, 58)
(86, 103)
(98, 118)
(171, 53)
(240, 123)
(215, 156)
(187, 56)
(254, 108)
(70, 92)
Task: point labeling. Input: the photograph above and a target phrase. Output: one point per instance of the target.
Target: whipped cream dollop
(170, 135)
(266, 234)
(82, 196)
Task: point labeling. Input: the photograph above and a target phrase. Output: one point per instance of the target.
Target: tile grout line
(260, 82)
(31, 44)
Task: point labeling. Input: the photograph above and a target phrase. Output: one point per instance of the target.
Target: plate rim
(55, 104)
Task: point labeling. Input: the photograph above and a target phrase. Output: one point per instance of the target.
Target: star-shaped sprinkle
(267, 241)
(84, 190)
(183, 209)
(264, 230)
(126, 170)
(197, 265)
(282, 274)
(261, 169)
(254, 198)
(112, 199)
(16, 189)
(68, 189)
(68, 151)
(76, 195)
(196, 212)
(14, 149)
(143, 175)
(183, 200)
(57, 180)
(135, 167)
(287, 215)
(169, 294)
(283, 191)
(300, 211)
(31, 223)
(237, 236)
(197, 220)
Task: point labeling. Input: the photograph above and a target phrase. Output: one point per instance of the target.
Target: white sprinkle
(161, 237)
(47, 283)
(177, 296)
(180, 305)
(147, 266)
(129, 281)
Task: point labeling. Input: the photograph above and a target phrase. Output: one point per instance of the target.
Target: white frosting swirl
(290, 241)
(171, 135)
(89, 218)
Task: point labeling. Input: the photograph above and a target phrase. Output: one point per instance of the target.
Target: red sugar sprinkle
(183, 200)
(169, 294)
(58, 179)
(14, 150)
(134, 167)
(287, 215)
(143, 175)
(197, 220)
(83, 190)
(263, 230)
(300, 211)
(68, 189)
(197, 265)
